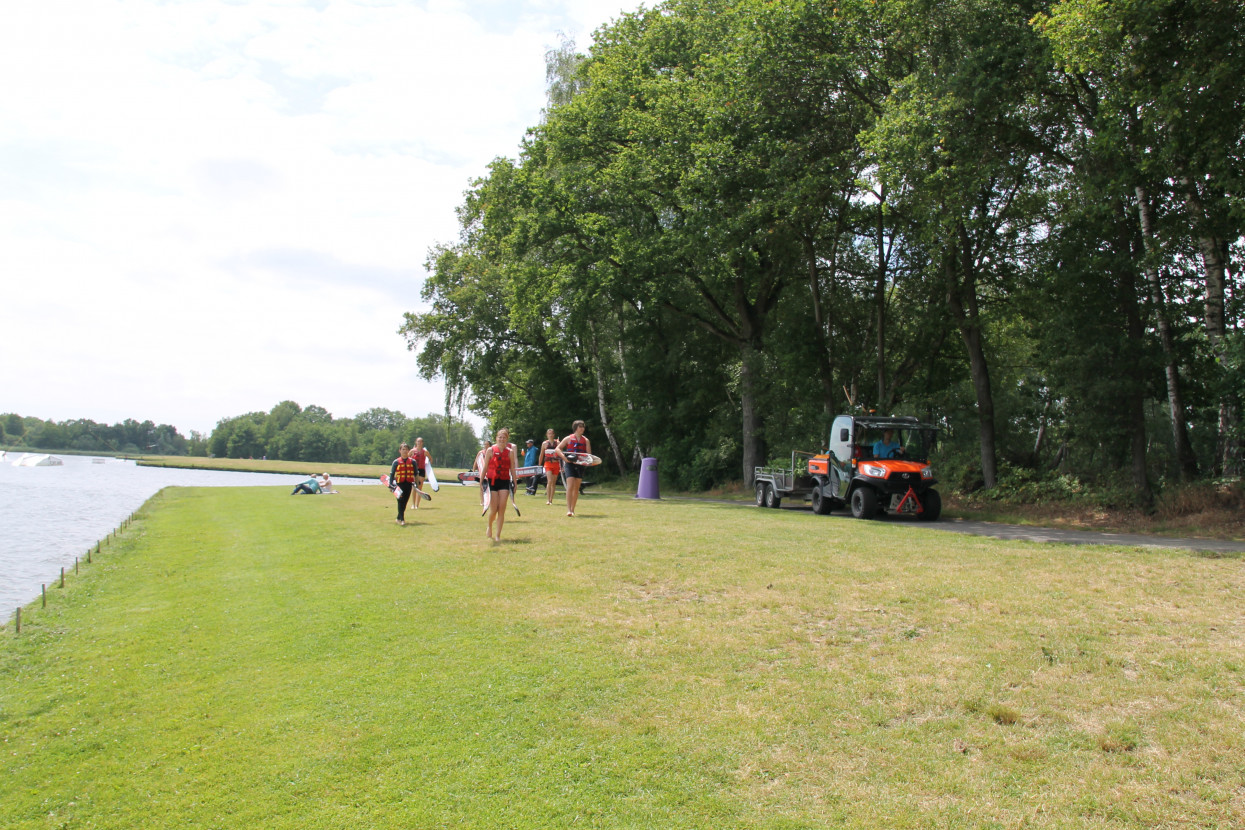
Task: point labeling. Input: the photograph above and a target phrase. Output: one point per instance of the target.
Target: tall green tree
(958, 144)
(1169, 71)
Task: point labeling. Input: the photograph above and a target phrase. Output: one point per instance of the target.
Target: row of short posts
(99, 546)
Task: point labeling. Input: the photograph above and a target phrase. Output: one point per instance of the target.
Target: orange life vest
(405, 471)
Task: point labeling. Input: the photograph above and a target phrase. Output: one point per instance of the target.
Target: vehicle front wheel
(864, 503)
(932, 504)
(760, 493)
(772, 499)
(821, 504)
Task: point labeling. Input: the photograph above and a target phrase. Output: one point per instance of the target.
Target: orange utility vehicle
(896, 479)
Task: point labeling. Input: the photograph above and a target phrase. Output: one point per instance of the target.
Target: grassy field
(244, 658)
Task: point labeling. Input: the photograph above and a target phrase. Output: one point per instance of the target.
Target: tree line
(736, 218)
(294, 433)
(287, 432)
(129, 437)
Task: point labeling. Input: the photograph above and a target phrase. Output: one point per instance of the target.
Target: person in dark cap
(531, 453)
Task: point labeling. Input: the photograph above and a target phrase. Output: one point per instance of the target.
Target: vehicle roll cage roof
(891, 422)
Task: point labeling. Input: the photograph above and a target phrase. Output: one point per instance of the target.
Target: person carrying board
(500, 461)
(553, 466)
(573, 443)
(402, 474)
(422, 461)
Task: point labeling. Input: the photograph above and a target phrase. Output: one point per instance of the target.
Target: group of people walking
(500, 462)
(497, 466)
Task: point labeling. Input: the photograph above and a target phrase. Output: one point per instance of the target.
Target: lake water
(50, 515)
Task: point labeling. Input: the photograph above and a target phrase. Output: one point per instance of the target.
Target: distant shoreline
(260, 465)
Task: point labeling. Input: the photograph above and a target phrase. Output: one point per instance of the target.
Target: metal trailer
(773, 484)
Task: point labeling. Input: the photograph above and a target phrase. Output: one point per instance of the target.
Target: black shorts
(419, 471)
(498, 484)
(573, 470)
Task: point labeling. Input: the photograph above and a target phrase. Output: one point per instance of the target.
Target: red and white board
(522, 472)
(393, 488)
(486, 495)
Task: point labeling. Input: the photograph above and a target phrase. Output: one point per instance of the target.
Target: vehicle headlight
(873, 470)
(927, 472)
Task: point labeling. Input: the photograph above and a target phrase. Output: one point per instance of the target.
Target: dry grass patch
(1205, 510)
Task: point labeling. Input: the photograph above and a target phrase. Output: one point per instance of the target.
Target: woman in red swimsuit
(575, 442)
(422, 459)
(553, 467)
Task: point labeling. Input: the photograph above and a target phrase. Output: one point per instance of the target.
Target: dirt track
(1046, 534)
(1083, 537)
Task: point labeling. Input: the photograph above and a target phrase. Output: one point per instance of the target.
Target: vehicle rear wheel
(821, 503)
(864, 503)
(772, 499)
(932, 502)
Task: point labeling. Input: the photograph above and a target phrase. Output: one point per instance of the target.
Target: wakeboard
(522, 472)
(393, 488)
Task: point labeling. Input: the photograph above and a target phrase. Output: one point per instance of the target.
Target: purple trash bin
(649, 488)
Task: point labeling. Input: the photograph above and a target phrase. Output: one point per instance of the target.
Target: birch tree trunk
(601, 405)
(1185, 459)
(1215, 272)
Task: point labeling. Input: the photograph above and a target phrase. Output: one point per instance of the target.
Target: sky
(208, 207)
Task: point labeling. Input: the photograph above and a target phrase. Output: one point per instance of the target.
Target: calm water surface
(49, 515)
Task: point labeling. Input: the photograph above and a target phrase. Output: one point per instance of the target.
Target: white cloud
(210, 207)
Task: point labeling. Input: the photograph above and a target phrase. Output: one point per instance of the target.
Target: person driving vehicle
(888, 447)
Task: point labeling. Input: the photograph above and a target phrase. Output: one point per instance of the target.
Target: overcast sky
(209, 207)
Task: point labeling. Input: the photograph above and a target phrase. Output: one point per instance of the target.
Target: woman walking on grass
(553, 467)
(576, 443)
(422, 460)
(500, 462)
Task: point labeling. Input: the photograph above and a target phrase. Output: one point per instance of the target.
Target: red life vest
(405, 471)
(418, 457)
(498, 467)
(577, 444)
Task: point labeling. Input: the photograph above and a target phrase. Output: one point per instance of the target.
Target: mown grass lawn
(244, 658)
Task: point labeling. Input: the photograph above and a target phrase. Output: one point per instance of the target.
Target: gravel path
(1084, 537)
(1038, 534)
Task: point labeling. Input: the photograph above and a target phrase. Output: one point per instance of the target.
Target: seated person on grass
(310, 487)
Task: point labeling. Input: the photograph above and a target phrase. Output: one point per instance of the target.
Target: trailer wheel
(772, 499)
(932, 502)
(821, 504)
(864, 503)
(760, 493)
